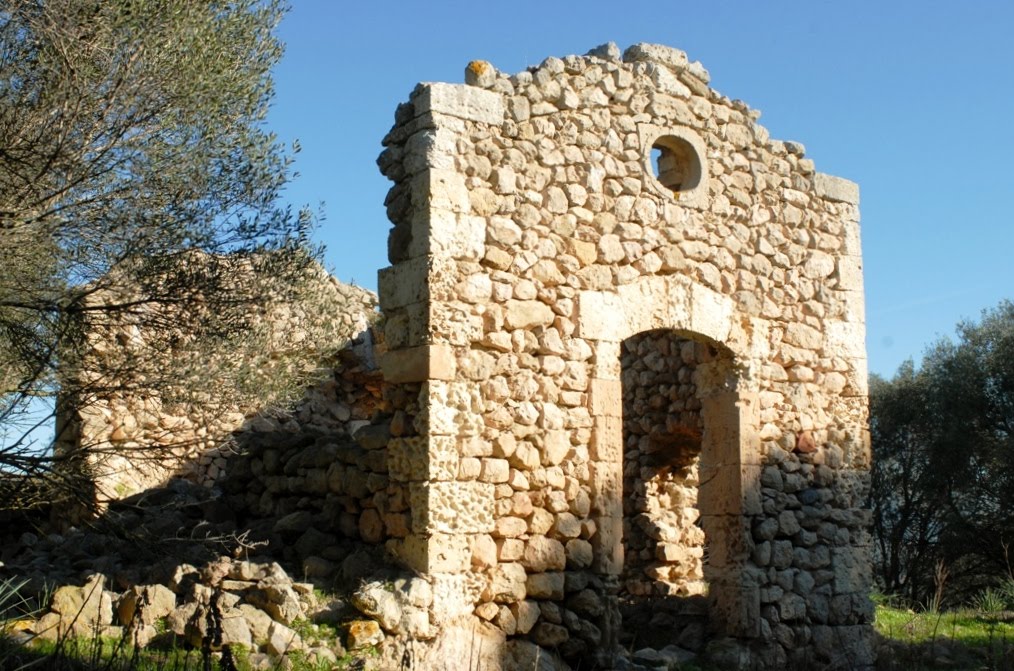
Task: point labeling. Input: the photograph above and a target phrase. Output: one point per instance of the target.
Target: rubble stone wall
(134, 440)
(662, 434)
(531, 238)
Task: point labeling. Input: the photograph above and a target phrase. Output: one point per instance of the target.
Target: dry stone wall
(540, 220)
(134, 439)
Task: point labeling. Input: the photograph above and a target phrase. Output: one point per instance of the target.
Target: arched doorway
(674, 387)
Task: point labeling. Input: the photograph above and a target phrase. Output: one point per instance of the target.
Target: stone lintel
(834, 188)
(459, 100)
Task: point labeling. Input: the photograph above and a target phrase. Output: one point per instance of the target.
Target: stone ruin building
(622, 386)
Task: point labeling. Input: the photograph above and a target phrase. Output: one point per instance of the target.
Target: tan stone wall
(137, 438)
(530, 240)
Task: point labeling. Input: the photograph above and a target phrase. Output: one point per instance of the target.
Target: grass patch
(958, 639)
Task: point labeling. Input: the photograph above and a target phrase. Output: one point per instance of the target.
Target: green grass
(80, 654)
(959, 639)
(105, 654)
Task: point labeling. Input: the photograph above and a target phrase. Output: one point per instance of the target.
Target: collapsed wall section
(184, 416)
(540, 221)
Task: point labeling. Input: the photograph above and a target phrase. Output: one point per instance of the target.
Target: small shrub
(1007, 590)
(990, 601)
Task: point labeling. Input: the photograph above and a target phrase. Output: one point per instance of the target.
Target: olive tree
(943, 470)
(139, 195)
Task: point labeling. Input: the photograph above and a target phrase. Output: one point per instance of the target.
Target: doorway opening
(668, 380)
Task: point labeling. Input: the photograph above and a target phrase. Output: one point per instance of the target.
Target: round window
(676, 165)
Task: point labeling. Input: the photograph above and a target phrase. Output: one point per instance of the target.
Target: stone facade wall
(531, 239)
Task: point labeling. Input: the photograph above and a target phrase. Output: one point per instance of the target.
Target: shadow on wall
(663, 592)
(302, 487)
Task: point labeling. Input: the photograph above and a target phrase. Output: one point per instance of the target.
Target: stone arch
(729, 468)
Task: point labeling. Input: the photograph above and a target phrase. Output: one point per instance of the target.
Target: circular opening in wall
(675, 164)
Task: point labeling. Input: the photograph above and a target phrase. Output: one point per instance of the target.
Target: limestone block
(494, 470)
(846, 339)
(509, 527)
(567, 525)
(606, 357)
(555, 447)
(454, 596)
(854, 643)
(818, 265)
(545, 585)
(451, 409)
(607, 440)
(607, 544)
(510, 549)
(461, 101)
(544, 554)
(527, 314)
(422, 459)
(430, 148)
(418, 364)
(361, 633)
(433, 554)
(503, 231)
(656, 53)
(507, 584)
(850, 273)
(580, 554)
(148, 603)
(404, 283)
(852, 572)
(601, 316)
(526, 614)
(852, 242)
(541, 521)
(728, 540)
(801, 335)
(441, 190)
(834, 188)
(449, 233)
(451, 507)
(607, 488)
(605, 398)
(711, 313)
(380, 603)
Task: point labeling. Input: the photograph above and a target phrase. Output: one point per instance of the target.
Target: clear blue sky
(914, 100)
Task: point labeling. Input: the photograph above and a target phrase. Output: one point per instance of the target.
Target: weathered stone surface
(507, 583)
(148, 604)
(379, 603)
(363, 634)
(545, 585)
(544, 554)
